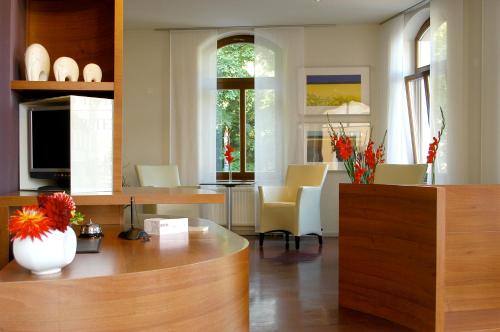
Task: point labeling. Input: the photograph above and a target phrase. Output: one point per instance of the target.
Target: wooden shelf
(61, 86)
(37, 90)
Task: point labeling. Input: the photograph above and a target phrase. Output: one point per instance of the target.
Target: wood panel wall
(387, 252)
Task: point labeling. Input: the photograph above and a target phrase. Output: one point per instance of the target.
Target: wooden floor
(297, 290)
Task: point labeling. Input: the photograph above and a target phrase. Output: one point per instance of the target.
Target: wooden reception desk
(425, 257)
(184, 282)
(104, 207)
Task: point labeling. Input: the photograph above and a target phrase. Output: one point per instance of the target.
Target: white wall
(343, 45)
(146, 89)
(145, 100)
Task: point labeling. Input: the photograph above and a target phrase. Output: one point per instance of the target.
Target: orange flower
(29, 221)
(431, 156)
(59, 208)
(379, 155)
(344, 147)
(370, 156)
(359, 171)
(334, 138)
(227, 154)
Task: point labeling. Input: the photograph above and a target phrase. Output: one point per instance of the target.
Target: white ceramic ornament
(37, 61)
(66, 68)
(92, 73)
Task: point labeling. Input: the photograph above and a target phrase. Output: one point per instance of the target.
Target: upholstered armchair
(295, 207)
(164, 176)
(400, 174)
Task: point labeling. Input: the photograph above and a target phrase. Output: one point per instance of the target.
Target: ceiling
(154, 14)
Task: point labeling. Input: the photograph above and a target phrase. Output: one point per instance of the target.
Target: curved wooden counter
(179, 282)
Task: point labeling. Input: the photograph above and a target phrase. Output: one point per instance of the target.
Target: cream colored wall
(343, 45)
(146, 100)
(146, 89)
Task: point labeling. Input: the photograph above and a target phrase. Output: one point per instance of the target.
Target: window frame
(423, 29)
(241, 84)
(420, 73)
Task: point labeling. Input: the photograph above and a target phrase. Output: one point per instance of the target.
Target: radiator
(243, 208)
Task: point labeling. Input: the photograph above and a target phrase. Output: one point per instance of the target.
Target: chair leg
(297, 242)
(261, 239)
(320, 240)
(286, 241)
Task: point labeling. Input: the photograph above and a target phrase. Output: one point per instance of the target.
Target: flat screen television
(49, 144)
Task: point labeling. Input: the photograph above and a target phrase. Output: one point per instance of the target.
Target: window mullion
(242, 132)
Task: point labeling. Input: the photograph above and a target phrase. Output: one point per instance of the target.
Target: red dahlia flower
(59, 208)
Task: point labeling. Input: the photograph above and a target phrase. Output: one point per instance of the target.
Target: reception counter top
(192, 281)
(104, 207)
(142, 195)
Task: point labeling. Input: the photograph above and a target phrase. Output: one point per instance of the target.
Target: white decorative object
(46, 256)
(37, 61)
(161, 226)
(66, 68)
(92, 73)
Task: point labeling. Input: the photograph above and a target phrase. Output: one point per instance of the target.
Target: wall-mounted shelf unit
(89, 31)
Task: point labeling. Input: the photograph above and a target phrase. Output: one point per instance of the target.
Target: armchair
(295, 207)
(165, 176)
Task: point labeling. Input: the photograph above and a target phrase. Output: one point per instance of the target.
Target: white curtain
(393, 95)
(279, 54)
(193, 92)
(447, 89)
(464, 82)
(490, 122)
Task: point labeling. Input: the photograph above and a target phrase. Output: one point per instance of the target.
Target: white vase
(46, 256)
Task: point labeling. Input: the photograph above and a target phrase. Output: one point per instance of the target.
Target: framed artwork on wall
(335, 90)
(339, 95)
(317, 144)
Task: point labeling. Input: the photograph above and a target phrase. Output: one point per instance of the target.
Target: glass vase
(433, 178)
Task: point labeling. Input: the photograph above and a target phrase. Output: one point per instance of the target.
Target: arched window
(236, 105)
(423, 46)
(417, 95)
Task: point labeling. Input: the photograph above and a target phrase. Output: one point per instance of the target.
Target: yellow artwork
(333, 90)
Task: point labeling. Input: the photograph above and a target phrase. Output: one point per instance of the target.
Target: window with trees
(417, 95)
(236, 106)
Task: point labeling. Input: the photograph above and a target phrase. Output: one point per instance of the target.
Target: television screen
(50, 140)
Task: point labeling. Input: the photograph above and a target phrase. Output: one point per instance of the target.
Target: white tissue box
(161, 226)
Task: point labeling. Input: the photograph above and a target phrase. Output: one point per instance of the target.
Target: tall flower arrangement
(229, 158)
(54, 212)
(434, 145)
(360, 165)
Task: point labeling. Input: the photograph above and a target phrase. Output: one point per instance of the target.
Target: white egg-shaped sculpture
(66, 69)
(92, 73)
(37, 61)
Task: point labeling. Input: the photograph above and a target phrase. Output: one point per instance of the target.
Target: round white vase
(46, 256)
